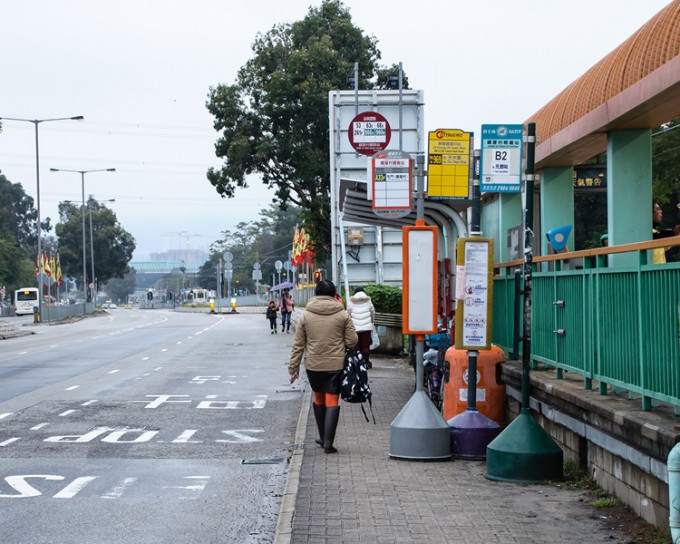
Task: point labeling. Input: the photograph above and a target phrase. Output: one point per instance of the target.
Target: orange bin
(490, 392)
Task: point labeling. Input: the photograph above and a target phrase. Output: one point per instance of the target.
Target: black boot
(331, 424)
(320, 416)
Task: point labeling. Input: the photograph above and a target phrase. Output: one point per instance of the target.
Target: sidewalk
(361, 494)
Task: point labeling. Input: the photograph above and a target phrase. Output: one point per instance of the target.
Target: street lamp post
(36, 122)
(82, 184)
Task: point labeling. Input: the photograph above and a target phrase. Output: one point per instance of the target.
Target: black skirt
(325, 381)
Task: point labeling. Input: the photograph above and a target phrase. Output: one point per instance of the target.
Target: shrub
(385, 298)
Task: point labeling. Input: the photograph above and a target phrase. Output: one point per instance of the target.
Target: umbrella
(284, 285)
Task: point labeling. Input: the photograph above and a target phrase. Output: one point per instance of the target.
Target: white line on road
(158, 368)
(72, 388)
(145, 358)
(117, 491)
(89, 402)
(72, 489)
(8, 442)
(7, 414)
(66, 413)
(39, 426)
(113, 371)
(164, 349)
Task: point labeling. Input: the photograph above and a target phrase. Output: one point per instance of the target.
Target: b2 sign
(501, 170)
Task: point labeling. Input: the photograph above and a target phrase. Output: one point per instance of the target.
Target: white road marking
(117, 491)
(89, 402)
(8, 442)
(66, 413)
(145, 358)
(72, 489)
(72, 388)
(39, 426)
(7, 414)
(114, 371)
(158, 368)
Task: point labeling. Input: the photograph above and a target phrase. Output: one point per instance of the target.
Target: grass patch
(606, 502)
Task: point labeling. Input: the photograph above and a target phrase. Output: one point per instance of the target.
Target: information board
(501, 158)
(474, 293)
(448, 170)
(392, 181)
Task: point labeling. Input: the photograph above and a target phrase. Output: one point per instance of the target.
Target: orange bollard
(490, 392)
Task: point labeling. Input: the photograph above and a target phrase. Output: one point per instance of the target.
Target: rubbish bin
(490, 392)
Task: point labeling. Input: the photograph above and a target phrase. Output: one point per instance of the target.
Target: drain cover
(263, 461)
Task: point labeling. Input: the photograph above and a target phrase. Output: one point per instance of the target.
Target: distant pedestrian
(659, 253)
(322, 335)
(287, 306)
(271, 315)
(360, 307)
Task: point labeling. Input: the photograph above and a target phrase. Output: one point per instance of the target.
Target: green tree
(274, 120)
(113, 245)
(119, 288)
(17, 214)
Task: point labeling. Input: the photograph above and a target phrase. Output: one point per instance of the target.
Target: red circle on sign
(369, 132)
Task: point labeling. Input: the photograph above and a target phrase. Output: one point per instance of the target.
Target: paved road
(145, 426)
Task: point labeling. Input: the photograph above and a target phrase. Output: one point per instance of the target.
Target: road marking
(89, 402)
(114, 371)
(179, 342)
(164, 349)
(201, 482)
(72, 388)
(145, 358)
(22, 352)
(66, 413)
(117, 491)
(39, 426)
(7, 414)
(158, 368)
(72, 489)
(8, 442)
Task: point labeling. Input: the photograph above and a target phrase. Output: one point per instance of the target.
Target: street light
(36, 122)
(82, 182)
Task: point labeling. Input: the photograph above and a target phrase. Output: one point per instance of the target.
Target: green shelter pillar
(557, 202)
(629, 191)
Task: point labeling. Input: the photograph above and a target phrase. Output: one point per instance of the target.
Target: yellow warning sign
(448, 171)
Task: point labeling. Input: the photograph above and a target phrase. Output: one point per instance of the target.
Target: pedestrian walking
(360, 308)
(322, 335)
(287, 306)
(271, 315)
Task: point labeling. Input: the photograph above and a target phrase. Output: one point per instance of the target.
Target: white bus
(25, 300)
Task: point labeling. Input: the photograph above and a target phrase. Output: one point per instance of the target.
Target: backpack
(354, 387)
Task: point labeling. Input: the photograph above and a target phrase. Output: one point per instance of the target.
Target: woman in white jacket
(360, 308)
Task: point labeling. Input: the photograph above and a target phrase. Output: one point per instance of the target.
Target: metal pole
(94, 294)
(82, 209)
(37, 200)
(401, 87)
(528, 257)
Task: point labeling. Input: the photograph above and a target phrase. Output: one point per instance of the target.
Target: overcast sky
(139, 71)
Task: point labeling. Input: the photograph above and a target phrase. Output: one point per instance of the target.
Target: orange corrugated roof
(653, 45)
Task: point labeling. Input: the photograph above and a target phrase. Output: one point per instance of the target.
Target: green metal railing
(619, 326)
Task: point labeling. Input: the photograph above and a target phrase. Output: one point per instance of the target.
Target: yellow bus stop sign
(448, 171)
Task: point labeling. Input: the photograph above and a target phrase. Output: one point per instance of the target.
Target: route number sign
(369, 132)
(501, 158)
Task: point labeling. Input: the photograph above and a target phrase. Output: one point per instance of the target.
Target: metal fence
(619, 326)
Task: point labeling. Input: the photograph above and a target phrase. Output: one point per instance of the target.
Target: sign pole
(471, 431)
(524, 451)
(419, 430)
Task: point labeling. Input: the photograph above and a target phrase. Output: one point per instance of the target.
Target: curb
(284, 524)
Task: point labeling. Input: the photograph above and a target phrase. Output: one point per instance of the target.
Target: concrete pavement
(361, 494)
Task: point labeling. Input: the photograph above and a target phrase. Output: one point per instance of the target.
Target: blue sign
(501, 170)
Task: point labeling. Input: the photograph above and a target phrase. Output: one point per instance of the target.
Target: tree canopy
(274, 120)
(113, 245)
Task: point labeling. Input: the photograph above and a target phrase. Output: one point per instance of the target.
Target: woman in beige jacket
(323, 333)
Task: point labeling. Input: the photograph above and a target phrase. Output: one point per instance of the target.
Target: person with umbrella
(287, 306)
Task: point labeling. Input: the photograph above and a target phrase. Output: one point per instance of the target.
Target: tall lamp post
(36, 122)
(82, 183)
